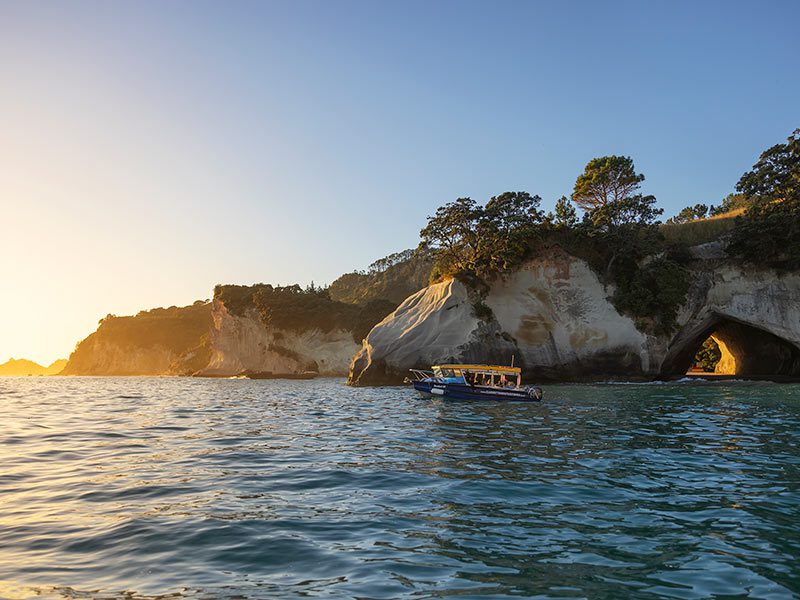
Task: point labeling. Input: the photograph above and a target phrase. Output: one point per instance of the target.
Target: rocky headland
(558, 320)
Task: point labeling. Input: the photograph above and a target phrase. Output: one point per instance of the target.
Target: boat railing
(419, 374)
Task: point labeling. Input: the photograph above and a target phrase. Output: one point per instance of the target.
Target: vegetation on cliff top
(393, 278)
(618, 235)
(293, 308)
(768, 233)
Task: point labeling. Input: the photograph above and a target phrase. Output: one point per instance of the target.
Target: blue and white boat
(474, 382)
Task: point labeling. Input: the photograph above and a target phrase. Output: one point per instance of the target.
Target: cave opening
(726, 347)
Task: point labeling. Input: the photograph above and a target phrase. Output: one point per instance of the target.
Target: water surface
(145, 487)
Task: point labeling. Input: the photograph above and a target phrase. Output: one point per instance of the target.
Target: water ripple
(171, 488)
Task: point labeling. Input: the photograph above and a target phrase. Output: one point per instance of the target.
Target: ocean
(214, 488)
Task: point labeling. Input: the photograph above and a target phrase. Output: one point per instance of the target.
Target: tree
(638, 211)
(731, 202)
(690, 213)
(483, 241)
(769, 231)
(565, 216)
(506, 228)
(776, 175)
(708, 356)
(512, 211)
(452, 234)
(605, 180)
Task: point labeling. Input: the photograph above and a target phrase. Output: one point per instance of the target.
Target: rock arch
(748, 350)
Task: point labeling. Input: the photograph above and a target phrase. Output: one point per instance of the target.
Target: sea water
(202, 488)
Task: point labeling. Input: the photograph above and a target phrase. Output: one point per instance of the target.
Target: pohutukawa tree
(482, 240)
(605, 180)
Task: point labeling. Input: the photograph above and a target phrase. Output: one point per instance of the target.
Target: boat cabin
(480, 375)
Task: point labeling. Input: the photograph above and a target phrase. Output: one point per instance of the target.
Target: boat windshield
(446, 372)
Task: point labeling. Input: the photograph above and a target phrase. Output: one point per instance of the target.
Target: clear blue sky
(149, 150)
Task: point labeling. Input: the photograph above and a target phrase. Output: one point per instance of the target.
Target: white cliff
(557, 318)
(243, 343)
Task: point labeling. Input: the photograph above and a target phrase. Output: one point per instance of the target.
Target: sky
(150, 150)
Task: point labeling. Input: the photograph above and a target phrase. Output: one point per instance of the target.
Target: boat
(474, 382)
(271, 375)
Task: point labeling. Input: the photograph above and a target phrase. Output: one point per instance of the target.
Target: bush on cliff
(466, 238)
(768, 233)
(392, 278)
(292, 308)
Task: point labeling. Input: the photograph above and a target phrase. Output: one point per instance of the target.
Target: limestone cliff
(556, 316)
(244, 343)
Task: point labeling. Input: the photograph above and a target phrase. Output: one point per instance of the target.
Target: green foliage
(565, 216)
(690, 213)
(483, 311)
(292, 308)
(464, 237)
(629, 212)
(393, 278)
(605, 180)
(708, 356)
(655, 291)
(452, 235)
(624, 232)
(730, 203)
(769, 231)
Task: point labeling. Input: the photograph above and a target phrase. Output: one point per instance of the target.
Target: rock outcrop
(244, 343)
(557, 318)
(162, 341)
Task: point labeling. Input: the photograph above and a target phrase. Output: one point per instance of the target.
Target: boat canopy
(480, 369)
(485, 375)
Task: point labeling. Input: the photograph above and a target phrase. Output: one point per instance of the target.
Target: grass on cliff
(700, 231)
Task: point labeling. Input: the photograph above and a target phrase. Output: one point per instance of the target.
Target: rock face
(753, 314)
(99, 356)
(556, 317)
(243, 343)
(162, 341)
(436, 324)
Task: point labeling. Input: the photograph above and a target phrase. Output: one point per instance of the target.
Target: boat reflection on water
(474, 382)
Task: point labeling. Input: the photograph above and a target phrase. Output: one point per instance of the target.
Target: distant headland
(23, 367)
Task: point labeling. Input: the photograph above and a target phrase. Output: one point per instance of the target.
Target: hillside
(393, 278)
(700, 231)
(22, 366)
(160, 341)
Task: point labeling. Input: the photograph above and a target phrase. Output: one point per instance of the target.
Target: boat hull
(463, 391)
